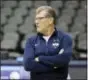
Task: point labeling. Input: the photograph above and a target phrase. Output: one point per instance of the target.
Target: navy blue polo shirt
(54, 54)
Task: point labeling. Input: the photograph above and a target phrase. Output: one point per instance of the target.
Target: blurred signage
(14, 72)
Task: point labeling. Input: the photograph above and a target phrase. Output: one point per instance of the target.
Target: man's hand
(55, 67)
(37, 59)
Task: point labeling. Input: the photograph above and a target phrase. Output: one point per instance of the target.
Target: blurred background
(17, 24)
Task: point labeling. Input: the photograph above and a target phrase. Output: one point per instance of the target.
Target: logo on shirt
(36, 45)
(55, 44)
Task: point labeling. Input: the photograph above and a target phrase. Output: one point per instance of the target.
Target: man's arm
(30, 64)
(63, 57)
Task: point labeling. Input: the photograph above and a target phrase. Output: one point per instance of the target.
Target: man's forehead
(42, 14)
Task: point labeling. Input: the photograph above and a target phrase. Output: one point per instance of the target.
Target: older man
(47, 54)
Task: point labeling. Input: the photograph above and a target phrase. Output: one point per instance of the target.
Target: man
(48, 53)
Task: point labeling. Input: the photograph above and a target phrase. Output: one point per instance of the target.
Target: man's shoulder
(32, 37)
(64, 34)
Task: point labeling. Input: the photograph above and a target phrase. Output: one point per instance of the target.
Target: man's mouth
(37, 26)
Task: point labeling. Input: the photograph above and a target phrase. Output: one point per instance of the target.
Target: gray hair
(51, 12)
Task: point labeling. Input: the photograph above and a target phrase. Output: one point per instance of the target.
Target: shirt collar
(54, 33)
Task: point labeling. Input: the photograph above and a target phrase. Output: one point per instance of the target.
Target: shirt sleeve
(61, 58)
(28, 60)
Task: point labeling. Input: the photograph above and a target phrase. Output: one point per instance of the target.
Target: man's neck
(49, 31)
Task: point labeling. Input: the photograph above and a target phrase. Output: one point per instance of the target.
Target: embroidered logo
(36, 45)
(56, 40)
(55, 44)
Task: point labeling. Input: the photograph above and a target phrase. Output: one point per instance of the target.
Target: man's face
(42, 22)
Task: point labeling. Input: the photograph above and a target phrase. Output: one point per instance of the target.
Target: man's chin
(39, 31)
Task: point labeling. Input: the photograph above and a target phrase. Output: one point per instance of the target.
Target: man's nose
(36, 21)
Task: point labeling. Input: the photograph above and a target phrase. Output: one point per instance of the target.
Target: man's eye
(40, 18)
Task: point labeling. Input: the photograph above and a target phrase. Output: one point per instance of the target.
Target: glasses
(40, 18)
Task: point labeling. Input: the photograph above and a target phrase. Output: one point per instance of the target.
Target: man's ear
(51, 20)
